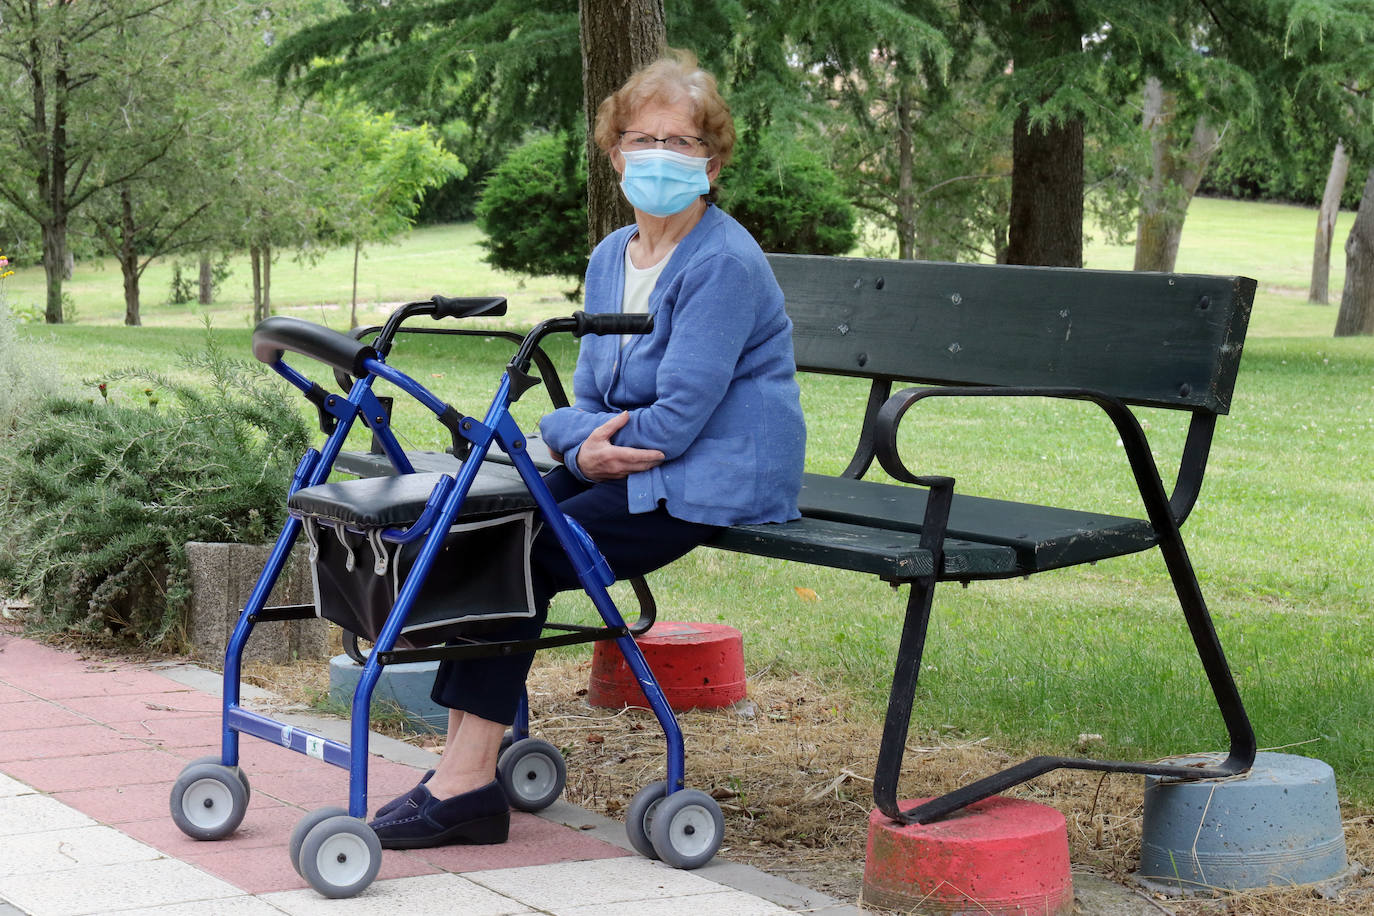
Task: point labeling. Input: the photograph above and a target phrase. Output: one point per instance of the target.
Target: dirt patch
(792, 769)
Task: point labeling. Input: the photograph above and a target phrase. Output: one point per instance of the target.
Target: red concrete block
(997, 857)
(698, 665)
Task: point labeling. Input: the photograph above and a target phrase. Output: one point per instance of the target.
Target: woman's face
(659, 120)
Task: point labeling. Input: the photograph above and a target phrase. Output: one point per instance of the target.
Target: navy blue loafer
(390, 806)
(419, 820)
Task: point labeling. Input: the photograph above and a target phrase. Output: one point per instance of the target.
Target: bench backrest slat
(1165, 340)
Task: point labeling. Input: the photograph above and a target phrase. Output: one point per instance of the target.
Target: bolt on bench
(1116, 340)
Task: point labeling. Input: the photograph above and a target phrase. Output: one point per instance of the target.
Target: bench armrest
(1160, 512)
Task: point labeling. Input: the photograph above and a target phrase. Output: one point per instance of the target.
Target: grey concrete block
(222, 579)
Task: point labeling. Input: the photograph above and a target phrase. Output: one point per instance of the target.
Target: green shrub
(788, 197)
(105, 491)
(534, 210)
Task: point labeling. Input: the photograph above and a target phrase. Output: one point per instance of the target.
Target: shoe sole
(480, 831)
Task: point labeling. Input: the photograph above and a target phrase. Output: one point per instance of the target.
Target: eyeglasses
(631, 140)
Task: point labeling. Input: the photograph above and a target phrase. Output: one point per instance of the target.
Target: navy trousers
(633, 545)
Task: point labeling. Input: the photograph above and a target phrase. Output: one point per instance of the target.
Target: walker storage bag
(482, 571)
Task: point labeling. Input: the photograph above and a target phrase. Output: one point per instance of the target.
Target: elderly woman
(672, 434)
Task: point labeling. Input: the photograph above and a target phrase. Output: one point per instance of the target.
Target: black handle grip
(274, 335)
(468, 307)
(611, 323)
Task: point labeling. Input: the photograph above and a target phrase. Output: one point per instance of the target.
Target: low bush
(104, 491)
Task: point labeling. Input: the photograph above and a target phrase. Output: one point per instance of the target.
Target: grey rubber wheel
(243, 777)
(687, 828)
(640, 815)
(208, 801)
(340, 856)
(304, 826)
(533, 774)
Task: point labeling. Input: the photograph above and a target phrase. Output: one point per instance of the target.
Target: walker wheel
(533, 773)
(304, 826)
(687, 828)
(639, 817)
(208, 801)
(243, 777)
(340, 856)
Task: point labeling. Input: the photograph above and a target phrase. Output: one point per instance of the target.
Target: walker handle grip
(467, 307)
(611, 323)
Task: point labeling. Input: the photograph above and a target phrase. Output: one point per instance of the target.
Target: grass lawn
(1280, 537)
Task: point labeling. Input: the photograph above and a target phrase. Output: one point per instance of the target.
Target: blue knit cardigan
(713, 386)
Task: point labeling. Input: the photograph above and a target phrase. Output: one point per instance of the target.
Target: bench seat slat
(1043, 537)
(889, 553)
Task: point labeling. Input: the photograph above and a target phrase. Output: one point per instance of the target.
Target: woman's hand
(600, 459)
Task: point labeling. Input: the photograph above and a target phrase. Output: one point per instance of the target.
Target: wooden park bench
(1114, 339)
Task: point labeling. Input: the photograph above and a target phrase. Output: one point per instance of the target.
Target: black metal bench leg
(1238, 728)
(910, 649)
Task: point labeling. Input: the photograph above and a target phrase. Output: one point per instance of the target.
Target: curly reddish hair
(672, 78)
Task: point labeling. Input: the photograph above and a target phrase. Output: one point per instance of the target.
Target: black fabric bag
(482, 571)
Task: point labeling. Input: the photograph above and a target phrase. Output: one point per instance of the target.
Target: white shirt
(639, 283)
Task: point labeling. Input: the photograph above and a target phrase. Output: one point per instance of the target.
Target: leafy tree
(380, 170)
(83, 106)
(504, 67)
(533, 210)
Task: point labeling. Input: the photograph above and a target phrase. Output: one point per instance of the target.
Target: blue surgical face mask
(661, 182)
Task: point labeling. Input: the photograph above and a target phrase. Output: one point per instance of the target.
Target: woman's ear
(617, 161)
(713, 169)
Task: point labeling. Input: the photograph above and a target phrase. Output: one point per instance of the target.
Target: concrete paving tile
(120, 804)
(11, 694)
(93, 681)
(311, 787)
(88, 771)
(268, 869)
(9, 787)
(262, 826)
(553, 888)
(91, 890)
(23, 656)
(175, 700)
(20, 814)
(533, 841)
(53, 851)
(225, 906)
(432, 895)
(173, 732)
(39, 743)
(28, 715)
(726, 903)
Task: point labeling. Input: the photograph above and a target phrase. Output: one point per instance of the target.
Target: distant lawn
(1270, 242)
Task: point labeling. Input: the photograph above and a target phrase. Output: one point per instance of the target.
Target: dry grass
(792, 769)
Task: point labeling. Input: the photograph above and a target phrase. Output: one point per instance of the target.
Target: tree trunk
(255, 260)
(353, 309)
(128, 258)
(1176, 170)
(1319, 291)
(54, 248)
(906, 199)
(618, 37)
(266, 280)
(1046, 225)
(1357, 298)
(1046, 220)
(206, 281)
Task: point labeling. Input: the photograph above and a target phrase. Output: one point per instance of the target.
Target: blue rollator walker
(393, 535)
